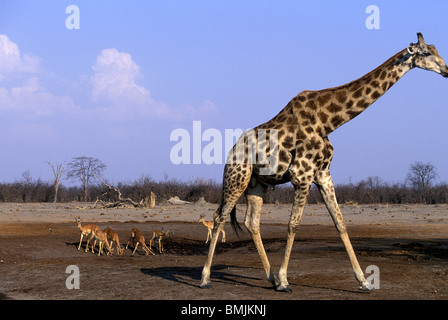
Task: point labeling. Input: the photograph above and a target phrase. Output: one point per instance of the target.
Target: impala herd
(107, 238)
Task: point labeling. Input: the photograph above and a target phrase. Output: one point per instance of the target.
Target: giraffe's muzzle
(444, 72)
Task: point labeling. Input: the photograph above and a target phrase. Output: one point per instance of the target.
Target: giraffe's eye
(426, 53)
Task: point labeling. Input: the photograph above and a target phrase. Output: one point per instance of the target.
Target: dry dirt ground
(408, 244)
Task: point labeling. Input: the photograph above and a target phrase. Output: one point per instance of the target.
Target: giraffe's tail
(233, 222)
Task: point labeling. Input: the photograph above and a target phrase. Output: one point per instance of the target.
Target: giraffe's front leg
(325, 185)
(219, 224)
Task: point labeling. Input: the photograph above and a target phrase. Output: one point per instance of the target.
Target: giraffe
(304, 153)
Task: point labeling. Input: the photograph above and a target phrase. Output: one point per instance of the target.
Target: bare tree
(58, 170)
(27, 186)
(421, 175)
(85, 169)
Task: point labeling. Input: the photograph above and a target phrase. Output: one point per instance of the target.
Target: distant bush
(370, 190)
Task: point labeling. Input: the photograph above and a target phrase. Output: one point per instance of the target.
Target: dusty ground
(409, 244)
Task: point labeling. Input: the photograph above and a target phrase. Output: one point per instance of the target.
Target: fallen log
(147, 202)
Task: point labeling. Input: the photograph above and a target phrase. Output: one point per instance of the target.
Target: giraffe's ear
(411, 49)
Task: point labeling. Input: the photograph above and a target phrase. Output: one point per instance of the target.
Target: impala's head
(201, 217)
(426, 57)
(134, 231)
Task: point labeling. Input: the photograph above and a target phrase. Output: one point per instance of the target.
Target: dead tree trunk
(147, 202)
(150, 201)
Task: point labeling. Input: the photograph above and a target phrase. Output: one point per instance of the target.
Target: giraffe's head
(426, 57)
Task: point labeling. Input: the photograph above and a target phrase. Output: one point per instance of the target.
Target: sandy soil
(409, 244)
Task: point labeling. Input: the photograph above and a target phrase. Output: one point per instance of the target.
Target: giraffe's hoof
(366, 287)
(282, 288)
(206, 285)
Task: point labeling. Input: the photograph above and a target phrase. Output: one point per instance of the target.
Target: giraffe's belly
(279, 177)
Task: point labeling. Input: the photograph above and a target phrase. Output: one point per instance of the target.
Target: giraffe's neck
(336, 106)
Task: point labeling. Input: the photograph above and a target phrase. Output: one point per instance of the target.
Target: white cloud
(12, 61)
(33, 99)
(116, 93)
(115, 90)
(115, 75)
(28, 98)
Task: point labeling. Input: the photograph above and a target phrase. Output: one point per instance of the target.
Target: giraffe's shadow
(191, 276)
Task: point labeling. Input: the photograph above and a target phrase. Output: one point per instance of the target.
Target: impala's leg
(90, 237)
(94, 245)
(223, 236)
(150, 241)
(300, 196)
(148, 251)
(111, 251)
(325, 184)
(208, 235)
(111, 248)
(136, 245)
(80, 241)
(254, 196)
(160, 245)
(87, 243)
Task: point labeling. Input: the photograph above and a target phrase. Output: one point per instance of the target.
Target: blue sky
(135, 71)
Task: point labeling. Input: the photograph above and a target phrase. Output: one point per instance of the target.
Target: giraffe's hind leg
(254, 196)
(300, 195)
(236, 180)
(219, 223)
